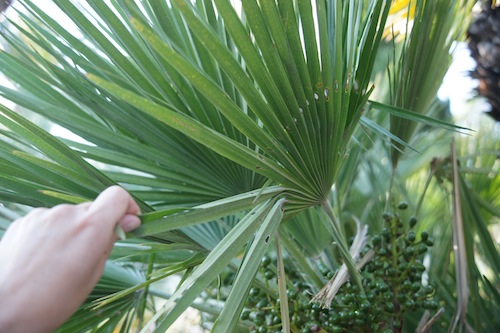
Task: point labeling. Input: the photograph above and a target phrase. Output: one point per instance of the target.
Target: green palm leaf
(419, 68)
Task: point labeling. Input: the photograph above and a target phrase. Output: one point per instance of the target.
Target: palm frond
(418, 70)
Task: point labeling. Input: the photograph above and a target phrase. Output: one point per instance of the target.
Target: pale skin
(51, 259)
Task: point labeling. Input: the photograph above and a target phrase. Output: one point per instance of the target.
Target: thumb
(114, 205)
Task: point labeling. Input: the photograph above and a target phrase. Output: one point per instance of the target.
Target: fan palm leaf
(425, 53)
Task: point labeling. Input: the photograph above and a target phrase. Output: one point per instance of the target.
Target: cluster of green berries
(392, 283)
(392, 280)
(263, 311)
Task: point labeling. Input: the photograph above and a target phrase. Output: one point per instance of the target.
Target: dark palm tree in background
(484, 43)
(4, 4)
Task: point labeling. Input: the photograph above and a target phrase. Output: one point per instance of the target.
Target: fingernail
(130, 222)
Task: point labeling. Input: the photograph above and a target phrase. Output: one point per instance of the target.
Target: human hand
(51, 259)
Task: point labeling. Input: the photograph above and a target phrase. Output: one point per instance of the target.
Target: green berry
(424, 235)
(291, 293)
(410, 236)
(376, 311)
(387, 296)
(387, 216)
(409, 251)
(262, 303)
(268, 274)
(417, 277)
(262, 329)
(403, 205)
(358, 314)
(323, 269)
(386, 233)
(296, 319)
(428, 290)
(365, 306)
(245, 315)
(257, 317)
(389, 307)
(265, 261)
(314, 314)
(378, 263)
(315, 328)
(343, 316)
(382, 287)
(413, 221)
(358, 322)
(254, 292)
(409, 304)
(336, 329)
(419, 266)
(349, 297)
(407, 285)
(421, 248)
(351, 314)
(430, 304)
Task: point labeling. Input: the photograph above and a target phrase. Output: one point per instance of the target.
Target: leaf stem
(426, 186)
(301, 261)
(339, 237)
(142, 307)
(285, 315)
